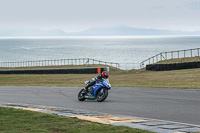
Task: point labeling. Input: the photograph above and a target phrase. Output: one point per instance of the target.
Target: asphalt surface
(177, 105)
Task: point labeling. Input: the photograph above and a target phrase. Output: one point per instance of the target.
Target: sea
(117, 49)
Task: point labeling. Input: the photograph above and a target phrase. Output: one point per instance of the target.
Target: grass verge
(187, 78)
(22, 121)
(179, 60)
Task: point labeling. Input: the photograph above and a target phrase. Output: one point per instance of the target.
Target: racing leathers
(93, 81)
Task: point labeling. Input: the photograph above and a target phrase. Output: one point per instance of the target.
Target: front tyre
(81, 95)
(102, 96)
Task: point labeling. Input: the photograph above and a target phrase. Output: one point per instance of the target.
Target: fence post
(172, 54)
(157, 58)
(142, 64)
(161, 56)
(198, 51)
(88, 61)
(178, 54)
(184, 53)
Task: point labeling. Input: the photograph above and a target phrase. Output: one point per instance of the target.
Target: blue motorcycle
(98, 91)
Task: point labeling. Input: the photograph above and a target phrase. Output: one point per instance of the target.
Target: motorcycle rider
(99, 77)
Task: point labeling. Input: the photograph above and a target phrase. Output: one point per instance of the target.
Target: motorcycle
(98, 91)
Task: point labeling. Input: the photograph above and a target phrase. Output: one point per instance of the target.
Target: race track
(178, 105)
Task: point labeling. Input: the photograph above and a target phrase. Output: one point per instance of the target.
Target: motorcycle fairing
(99, 85)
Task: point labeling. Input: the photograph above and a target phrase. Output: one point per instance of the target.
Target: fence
(62, 62)
(59, 62)
(171, 55)
(129, 66)
(124, 66)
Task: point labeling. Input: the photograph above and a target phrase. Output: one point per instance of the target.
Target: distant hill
(96, 31)
(128, 31)
(18, 33)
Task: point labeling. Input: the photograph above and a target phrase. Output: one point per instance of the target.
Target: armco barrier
(174, 66)
(88, 70)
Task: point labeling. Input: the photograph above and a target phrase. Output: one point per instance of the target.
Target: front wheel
(101, 96)
(81, 95)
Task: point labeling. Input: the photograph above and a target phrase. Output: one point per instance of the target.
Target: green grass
(180, 60)
(22, 121)
(187, 78)
(165, 79)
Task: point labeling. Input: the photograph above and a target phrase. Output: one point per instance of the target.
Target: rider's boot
(90, 84)
(86, 89)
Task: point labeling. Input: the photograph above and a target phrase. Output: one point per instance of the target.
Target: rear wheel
(102, 96)
(81, 95)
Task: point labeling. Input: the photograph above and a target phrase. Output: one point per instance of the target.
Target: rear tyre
(81, 95)
(102, 96)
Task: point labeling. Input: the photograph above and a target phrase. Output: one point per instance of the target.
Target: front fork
(102, 90)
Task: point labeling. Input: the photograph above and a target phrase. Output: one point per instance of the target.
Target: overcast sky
(77, 15)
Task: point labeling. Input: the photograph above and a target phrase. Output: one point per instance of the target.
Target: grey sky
(76, 15)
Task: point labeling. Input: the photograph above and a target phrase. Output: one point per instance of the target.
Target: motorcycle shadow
(95, 101)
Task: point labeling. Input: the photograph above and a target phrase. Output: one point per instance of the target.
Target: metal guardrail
(129, 66)
(124, 66)
(59, 62)
(171, 55)
(62, 62)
